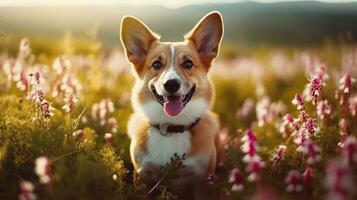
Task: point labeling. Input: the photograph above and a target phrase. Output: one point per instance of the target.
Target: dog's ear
(207, 36)
(136, 38)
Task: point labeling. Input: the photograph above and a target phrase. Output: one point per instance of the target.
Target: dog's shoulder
(209, 123)
(137, 129)
(204, 133)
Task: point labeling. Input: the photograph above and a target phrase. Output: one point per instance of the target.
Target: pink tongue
(173, 107)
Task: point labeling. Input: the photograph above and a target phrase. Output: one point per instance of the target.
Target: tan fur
(142, 48)
(137, 130)
(204, 134)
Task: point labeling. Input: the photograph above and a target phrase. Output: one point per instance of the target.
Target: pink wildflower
(300, 137)
(212, 178)
(78, 134)
(276, 109)
(22, 82)
(314, 89)
(101, 111)
(310, 126)
(262, 111)
(344, 90)
(96, 113)
(46, 109)
(253, 160)
(24, 49)
(236, 178)
(222, 146)
(321, 72)
(70, 101)
(68, 84)
(308, 175)
(311, 151)
(249, 136)
(247, 108)
(343, 130)
(303, 116)
(38, 97)
(27, 191)
(304, 134)
(43, 169)
(289, 119)
(112, 124)
(254, 168)
(299, 102)
(108, 105)
(108, 138)
(339, 181)
(35, 78)
(267, 112)
(8, 68)
(224, 137)
(249, 145)
(350, 150)
(279, 155)
(323, 109)
(284, 129)
(346, 83)
(353, 105)
(61, 64)
(288, 123)
(293, 181)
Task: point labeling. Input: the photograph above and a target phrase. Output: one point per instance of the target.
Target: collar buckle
(163, 129)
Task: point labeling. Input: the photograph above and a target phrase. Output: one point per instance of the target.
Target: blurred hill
(246, 23)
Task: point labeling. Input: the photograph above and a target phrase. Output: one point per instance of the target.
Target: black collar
(168, 129)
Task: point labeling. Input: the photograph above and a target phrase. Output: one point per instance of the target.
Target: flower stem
(63, 156)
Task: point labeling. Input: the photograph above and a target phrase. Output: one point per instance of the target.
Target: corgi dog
(172, 97)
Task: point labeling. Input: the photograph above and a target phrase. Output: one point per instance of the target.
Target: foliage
(86, 97)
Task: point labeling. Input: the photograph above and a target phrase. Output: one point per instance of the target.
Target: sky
(167, 3)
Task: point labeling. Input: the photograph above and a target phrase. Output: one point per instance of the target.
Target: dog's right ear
(136, 38)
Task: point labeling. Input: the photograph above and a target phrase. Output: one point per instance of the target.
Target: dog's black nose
(172, 85)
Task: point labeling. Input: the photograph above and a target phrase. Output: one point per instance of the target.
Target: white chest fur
(162, 148)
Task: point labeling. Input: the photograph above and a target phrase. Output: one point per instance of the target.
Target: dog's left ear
(207, 36)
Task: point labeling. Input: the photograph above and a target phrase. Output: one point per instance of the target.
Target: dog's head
(172, 82)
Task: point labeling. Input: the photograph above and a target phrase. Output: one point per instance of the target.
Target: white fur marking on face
(171, 73)
(162, 148)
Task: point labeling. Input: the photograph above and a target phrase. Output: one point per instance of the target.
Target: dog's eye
(187, 64)
(156, 65)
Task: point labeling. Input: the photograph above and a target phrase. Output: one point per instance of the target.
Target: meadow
(288, 121)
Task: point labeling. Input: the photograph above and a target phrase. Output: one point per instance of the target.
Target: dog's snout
(172, 85)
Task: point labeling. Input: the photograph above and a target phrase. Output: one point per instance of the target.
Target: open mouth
(173, 105)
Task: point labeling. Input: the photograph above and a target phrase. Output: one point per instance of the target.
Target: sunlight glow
(167, 3)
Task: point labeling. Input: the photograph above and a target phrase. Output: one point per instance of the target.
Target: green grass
(84, 168)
